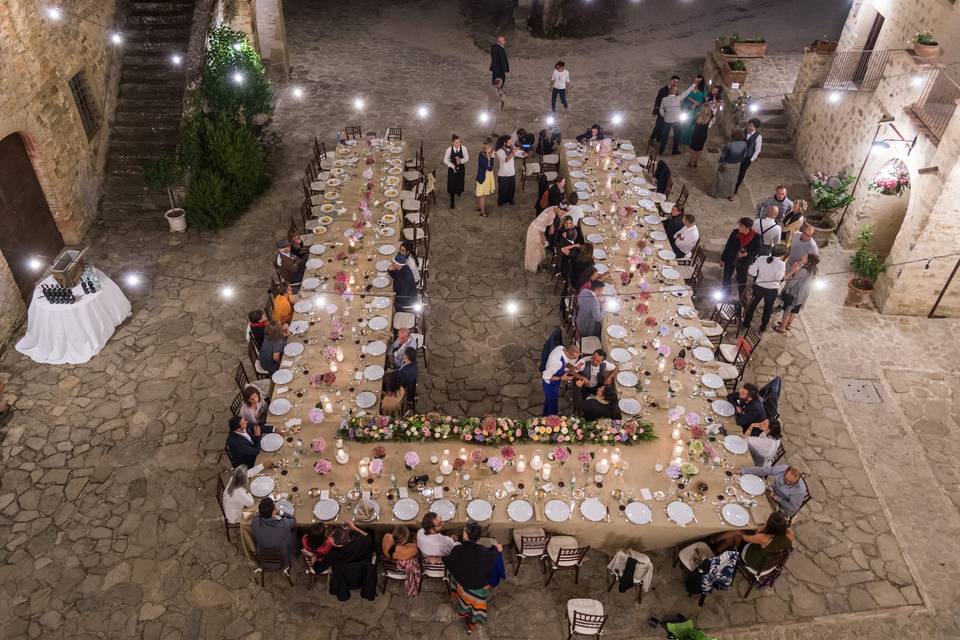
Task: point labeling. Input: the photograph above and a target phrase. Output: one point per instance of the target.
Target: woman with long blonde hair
(698, 139)
(486, 182)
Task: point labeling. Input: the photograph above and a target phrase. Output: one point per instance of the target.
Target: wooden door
(26, 225)
(868, 47)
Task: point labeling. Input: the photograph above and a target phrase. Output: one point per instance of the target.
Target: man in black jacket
(243, 441)
(742, 248)
(664, 91)
(499, 65)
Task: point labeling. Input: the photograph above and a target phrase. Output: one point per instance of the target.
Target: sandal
(779, 328)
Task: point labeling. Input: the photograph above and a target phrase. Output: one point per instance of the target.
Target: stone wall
(902, 20)
(38, 59)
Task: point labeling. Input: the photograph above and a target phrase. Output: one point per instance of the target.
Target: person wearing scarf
(470, 567)
(741, 249)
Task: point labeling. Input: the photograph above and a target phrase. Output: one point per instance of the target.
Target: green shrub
(163, 174)
(867, 265)
(207, 205)
(228, 56)
(738, 65)
(924, 37)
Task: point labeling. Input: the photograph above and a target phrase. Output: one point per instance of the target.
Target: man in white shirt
(506, 173)
(592, 372)
(560, 79)
(670, 111)
(686, 239)
(754, 144)
(767, 272)
(554, 373)
(768, 229)
(432, 544)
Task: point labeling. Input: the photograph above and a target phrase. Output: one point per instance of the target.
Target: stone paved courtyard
(108, 521)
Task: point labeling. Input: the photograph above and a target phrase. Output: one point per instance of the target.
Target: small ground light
(754, 108)
(484, 116)
(226, 292)
(835, 96)
(237, 46)
(297, 92)
(34, 264)
(820, 283)
(358, 103)
(422, 111)
(54, 13)
(418, 307)
(612, 305)
(617, 119)
(237, 78)
(116, 38)
(176, 59)
(683, 116)
(916, 81)
(718, 295)
(133, 279)
(550, 120)
(511, 307)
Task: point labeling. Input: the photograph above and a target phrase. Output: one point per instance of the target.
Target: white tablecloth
(73, 333)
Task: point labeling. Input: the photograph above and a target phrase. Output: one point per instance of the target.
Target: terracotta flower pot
(823, 228)
(732, 77)
(750, 49)
(926, 50)
(857, 292)
(824, 47)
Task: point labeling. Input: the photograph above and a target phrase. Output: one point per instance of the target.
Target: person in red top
(315, 544)
(741, 250)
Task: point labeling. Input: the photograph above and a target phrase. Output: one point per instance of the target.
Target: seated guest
(404, 284)
(581, 263)
(469, 569)
(674, 222)
(404, 340)
(290, 267)
(399, 548)
(573, 208)
(775, 538)
(594, 371)
(686, 238)
(256, 325)
(523, 140)
(236, 496)
(545, 145)
(274, 531)
(788, 489)
(348, 544)
(283, 303)
(588, 277)
(601, 405)
(254, 408)
(567, 225)
(315, 544)
(593, 134)
(764, 447)
(297, 248)
(394, 398)
(407, 373)
(243, 441)
(433, 544)
(748, 409)
(271, 352)
(409, 249)
(589, 319)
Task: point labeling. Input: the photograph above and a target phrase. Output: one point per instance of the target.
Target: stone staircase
(777, 141)
(147, 115)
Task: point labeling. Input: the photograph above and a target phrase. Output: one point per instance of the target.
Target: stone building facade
(858, 113)
(38, 58)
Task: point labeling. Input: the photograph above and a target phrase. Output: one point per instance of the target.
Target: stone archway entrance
(27, 227)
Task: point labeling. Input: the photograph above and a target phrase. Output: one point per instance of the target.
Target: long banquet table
(636, 471)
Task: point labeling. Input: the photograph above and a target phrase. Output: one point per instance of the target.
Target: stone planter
(824, 47)
(926, 50)
(857, 292)
(732, 77)
(756, 49)
(177, 219)
(823, 227)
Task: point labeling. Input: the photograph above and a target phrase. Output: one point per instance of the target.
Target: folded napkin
(286, 363)
(547, 487)
(403, 492)
(508, 486)
(324, 494)
(281, 390)
(646, 494)
(294, 422)
(365, 495)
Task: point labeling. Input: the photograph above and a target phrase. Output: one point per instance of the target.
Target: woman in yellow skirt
(486, 183)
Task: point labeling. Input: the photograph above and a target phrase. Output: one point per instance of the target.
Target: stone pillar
(813, 69)
(272, 35)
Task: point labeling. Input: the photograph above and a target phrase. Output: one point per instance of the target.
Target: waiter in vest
(754, 144)
(455, 157)
(554, 374)
(594, 371)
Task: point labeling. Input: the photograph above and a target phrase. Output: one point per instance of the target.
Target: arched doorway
(27, 227)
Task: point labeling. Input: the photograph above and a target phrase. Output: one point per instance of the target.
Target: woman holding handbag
(486, 183)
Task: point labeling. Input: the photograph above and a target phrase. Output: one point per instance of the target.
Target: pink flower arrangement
(329, 353)
(342, 276)
(642, 309)
(316, 417)
(478, 456)
(585, 457)
(495, 463)
(329, 378)
(664, 350)
(561, 454)
(380, 451)
(643, 295)
(459, 464)
(625, 278)
(643, 267)
(376, 466)
(359, 225)
(679, 364)
(650, 321)
(323, 466)
(319, 445)
(371, 159)
(411, 460)
(696, 431)
(508, 453)
(693, 419)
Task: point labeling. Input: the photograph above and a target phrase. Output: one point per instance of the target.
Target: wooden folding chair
(235, 404)
(254, 354)
(353, 132)
(240, 376)
(582, 618)
(550, 166)
(771, 569)
(271, 561)
(682, 198)
(394, 133)
(528, 169)
(320, 155)
(653, 153)
(567, 559)
(529, 543)
(227, 525)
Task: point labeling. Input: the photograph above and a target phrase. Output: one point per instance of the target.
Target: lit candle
(521, 464)
(615, 456)
(352, 280)
(536, 462)
(463, 454)
(676, 433)
(678, 450)
(333, 366)
(434, 458)
(661, 364)
(545, 472)
(342, 456)
(339, 355)
(328, 407)
(603, 466)
(677, 461)
(656, 343)
(445, 467)
(364, 470)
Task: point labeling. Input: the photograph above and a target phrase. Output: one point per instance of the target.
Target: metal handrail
(857, 70)
(937, 102)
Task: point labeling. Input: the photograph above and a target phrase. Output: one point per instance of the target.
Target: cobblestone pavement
(108, 522)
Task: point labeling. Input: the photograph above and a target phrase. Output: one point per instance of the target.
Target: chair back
(236, 404)
(432, 569)
(240, 376)
(319, 152)
(696, 276)
(294, 228)
(394, 133)
(270, 560)
(682, 198)
(668, 189)
(653, 152)
(221, 488)
(353, 132)
(533, 546)
(571, 557)
(253, 353)
(305, 213)
(588, 623)
(725, 313)
(747, 345)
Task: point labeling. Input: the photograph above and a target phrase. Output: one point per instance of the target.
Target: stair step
(147, 128)
(775, 138)
(136, 8)
(131, 89)
(137, 118)
(143, 144)
(777, 151)
(154, 74)
(163, 19)
(170, 34)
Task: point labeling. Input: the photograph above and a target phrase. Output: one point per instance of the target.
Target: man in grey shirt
(779, 200)
(274, 531)
(802, 245)
(589, 312)
(788, 489)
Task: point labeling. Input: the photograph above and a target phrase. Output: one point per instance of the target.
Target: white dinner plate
(293, 349)
(670, 274)
(628, 156)
(261, 486)
(653, 220)
(628, 146)
(580, 186)
(735, 514)
(282, 376)
(577, 174)
(620, 355)
(370, 511)
(754, 485)
(703, 354)
(382, 265)
(635, 168)
(381, 303)
(326, 208)
(406, 509)
(366, 399)
(638, 513)
(318, 249)
(601, 268)
(686, 312)
(599, 254)
(386, 249)
(387, 232)
(299, 327)
(326, 509)
(616, 331)
(314, 263)
(638, 180)
(557, 511)
(583, 195)
(377, 348)
(658, 235)
(444, 508)
(479, 510)
(735, 444)
(520, 511)
(666, 254)
(590, 221)
(326, 220)
(279, 406)
(378, 323)
(283, 506)
(380, 282)
(649, 205)
(627, 379)
(303, 306)
(593, 510)
(595, 238)
(722, 408)
(313, 225)
(271, 442)
(712, 380)
(373, 372)
(391, 205)
(391, 193)
(693, 333)
(678, 290)
(575, 163)
(630, 406)
(680, 513)
(310, 283)
(569, 145)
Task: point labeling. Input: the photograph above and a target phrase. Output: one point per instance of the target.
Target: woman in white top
(768, 272)
(433, 545)
(456, 158)
(559, 81)
(670, 110)
(764, 448)
(235, 496)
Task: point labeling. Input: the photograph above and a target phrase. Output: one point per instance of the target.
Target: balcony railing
(937, 103)
(856, 70)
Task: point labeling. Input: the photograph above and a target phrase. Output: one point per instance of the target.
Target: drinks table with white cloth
(72, 333)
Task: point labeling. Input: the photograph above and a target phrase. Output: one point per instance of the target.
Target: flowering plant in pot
(925, 45)
(892, 179)
(867, 266)
(828, 194)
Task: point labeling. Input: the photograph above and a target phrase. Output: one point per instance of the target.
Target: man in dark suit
(754, 145)
(407, 373)
(664, 91)
(499, 65)
(243, 441)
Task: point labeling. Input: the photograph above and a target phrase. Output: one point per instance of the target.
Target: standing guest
(499, 65)
(802, 245)
(593, 372)
(554, 373)
(670, 109)
(407, 373)
(506, 171)
(398, 548)
(456, 158)
(690, 109)
(556, 191)
(496, 100)
(714, 98)
(749, 413)
(243, 441)
(558, 82)
(289, 266)
(404, 340)
(271, 353)
(794, 221)
(686, 240)
(767, 272)
(698, 136)
(739, 254)
(283, 303)
(789, 488)
(580, 265)
(236, 496)
(409, 250)
(433, 544)
(593, 134)
(574, 210)
(589, 319)
(274, 531)
(603, 404)
(754, 145)
(538, 238)
(771, 541)
(796, 289)
(673, 222)
(768, 230)
(731, 157)
(469, 568)
(404, 286)
(394, 399)
(297, 248)
(256, 325)
(486, 184)
(254, 407)
(780, 200)
(661, 94)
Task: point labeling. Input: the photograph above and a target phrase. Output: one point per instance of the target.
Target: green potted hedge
(867, 266)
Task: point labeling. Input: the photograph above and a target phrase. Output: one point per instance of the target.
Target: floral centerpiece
(323, 466)
(561, 454)
(376, 467)
(319, 445)
(508, 453)
(316, 416)
(411, 460)
(379, 452)
(892, 179)
(495, 463)
(585, 457)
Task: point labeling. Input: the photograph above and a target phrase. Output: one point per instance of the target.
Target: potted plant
(924, 45)
(867, 267)
(748, 47)
(823, 46)
(892, 179)
(734, 73)
(166, 174)
(827, 194)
